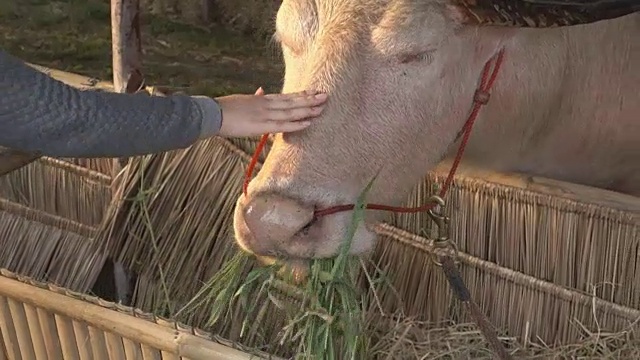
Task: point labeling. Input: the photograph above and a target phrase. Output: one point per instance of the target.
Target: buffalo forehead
(385, 22)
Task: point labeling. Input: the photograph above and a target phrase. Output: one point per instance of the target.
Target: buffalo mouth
(295, 271)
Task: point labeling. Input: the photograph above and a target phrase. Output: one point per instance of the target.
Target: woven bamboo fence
(43, 321)
(49, 214)
(59, 188)
(531, 249)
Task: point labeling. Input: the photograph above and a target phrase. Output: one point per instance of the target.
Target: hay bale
(39, 321)
(102, 165)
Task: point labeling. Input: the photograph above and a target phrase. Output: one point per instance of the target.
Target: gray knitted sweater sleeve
(42, 115)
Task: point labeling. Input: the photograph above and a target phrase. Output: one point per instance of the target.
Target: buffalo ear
(538, 13)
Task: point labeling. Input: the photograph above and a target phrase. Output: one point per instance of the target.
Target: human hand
(251, 115)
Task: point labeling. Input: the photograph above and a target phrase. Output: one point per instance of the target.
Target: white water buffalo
(401, 76)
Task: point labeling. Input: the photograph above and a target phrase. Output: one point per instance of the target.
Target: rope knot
(481, 97)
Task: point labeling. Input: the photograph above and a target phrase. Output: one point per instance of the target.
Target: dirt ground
(75, 36)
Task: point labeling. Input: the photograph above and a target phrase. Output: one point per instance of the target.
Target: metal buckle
(442, 245)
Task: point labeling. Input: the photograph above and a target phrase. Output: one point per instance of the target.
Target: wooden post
(126, 45)
(206, 10)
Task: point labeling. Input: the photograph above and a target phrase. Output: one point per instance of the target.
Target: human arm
(39, 114)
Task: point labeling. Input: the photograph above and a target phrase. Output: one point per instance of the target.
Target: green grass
(326, 313)
(75, 36)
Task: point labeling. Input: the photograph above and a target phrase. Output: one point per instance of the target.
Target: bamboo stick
(3, 353)
(19, 319)
(8, 330)
(88, 174)
(50, 333)
(47, 219)
(76, 80)
(37, 335)
(83, 340)
(98, 344)
(157, 336)
(561, 189)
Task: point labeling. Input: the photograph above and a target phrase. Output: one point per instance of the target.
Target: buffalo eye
(423, 56)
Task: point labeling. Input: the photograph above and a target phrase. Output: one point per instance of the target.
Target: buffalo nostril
(305, 229)
(274, 219)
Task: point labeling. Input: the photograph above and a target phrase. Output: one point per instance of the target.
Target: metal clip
(442, 242)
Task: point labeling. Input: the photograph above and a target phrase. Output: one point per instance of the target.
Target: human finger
(297, 102)
(294, 114)
(260, 91)
(287, 126)
(285, 96)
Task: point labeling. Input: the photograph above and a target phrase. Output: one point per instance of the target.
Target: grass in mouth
(326, 316)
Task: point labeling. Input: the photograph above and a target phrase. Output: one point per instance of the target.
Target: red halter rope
(481, 97)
